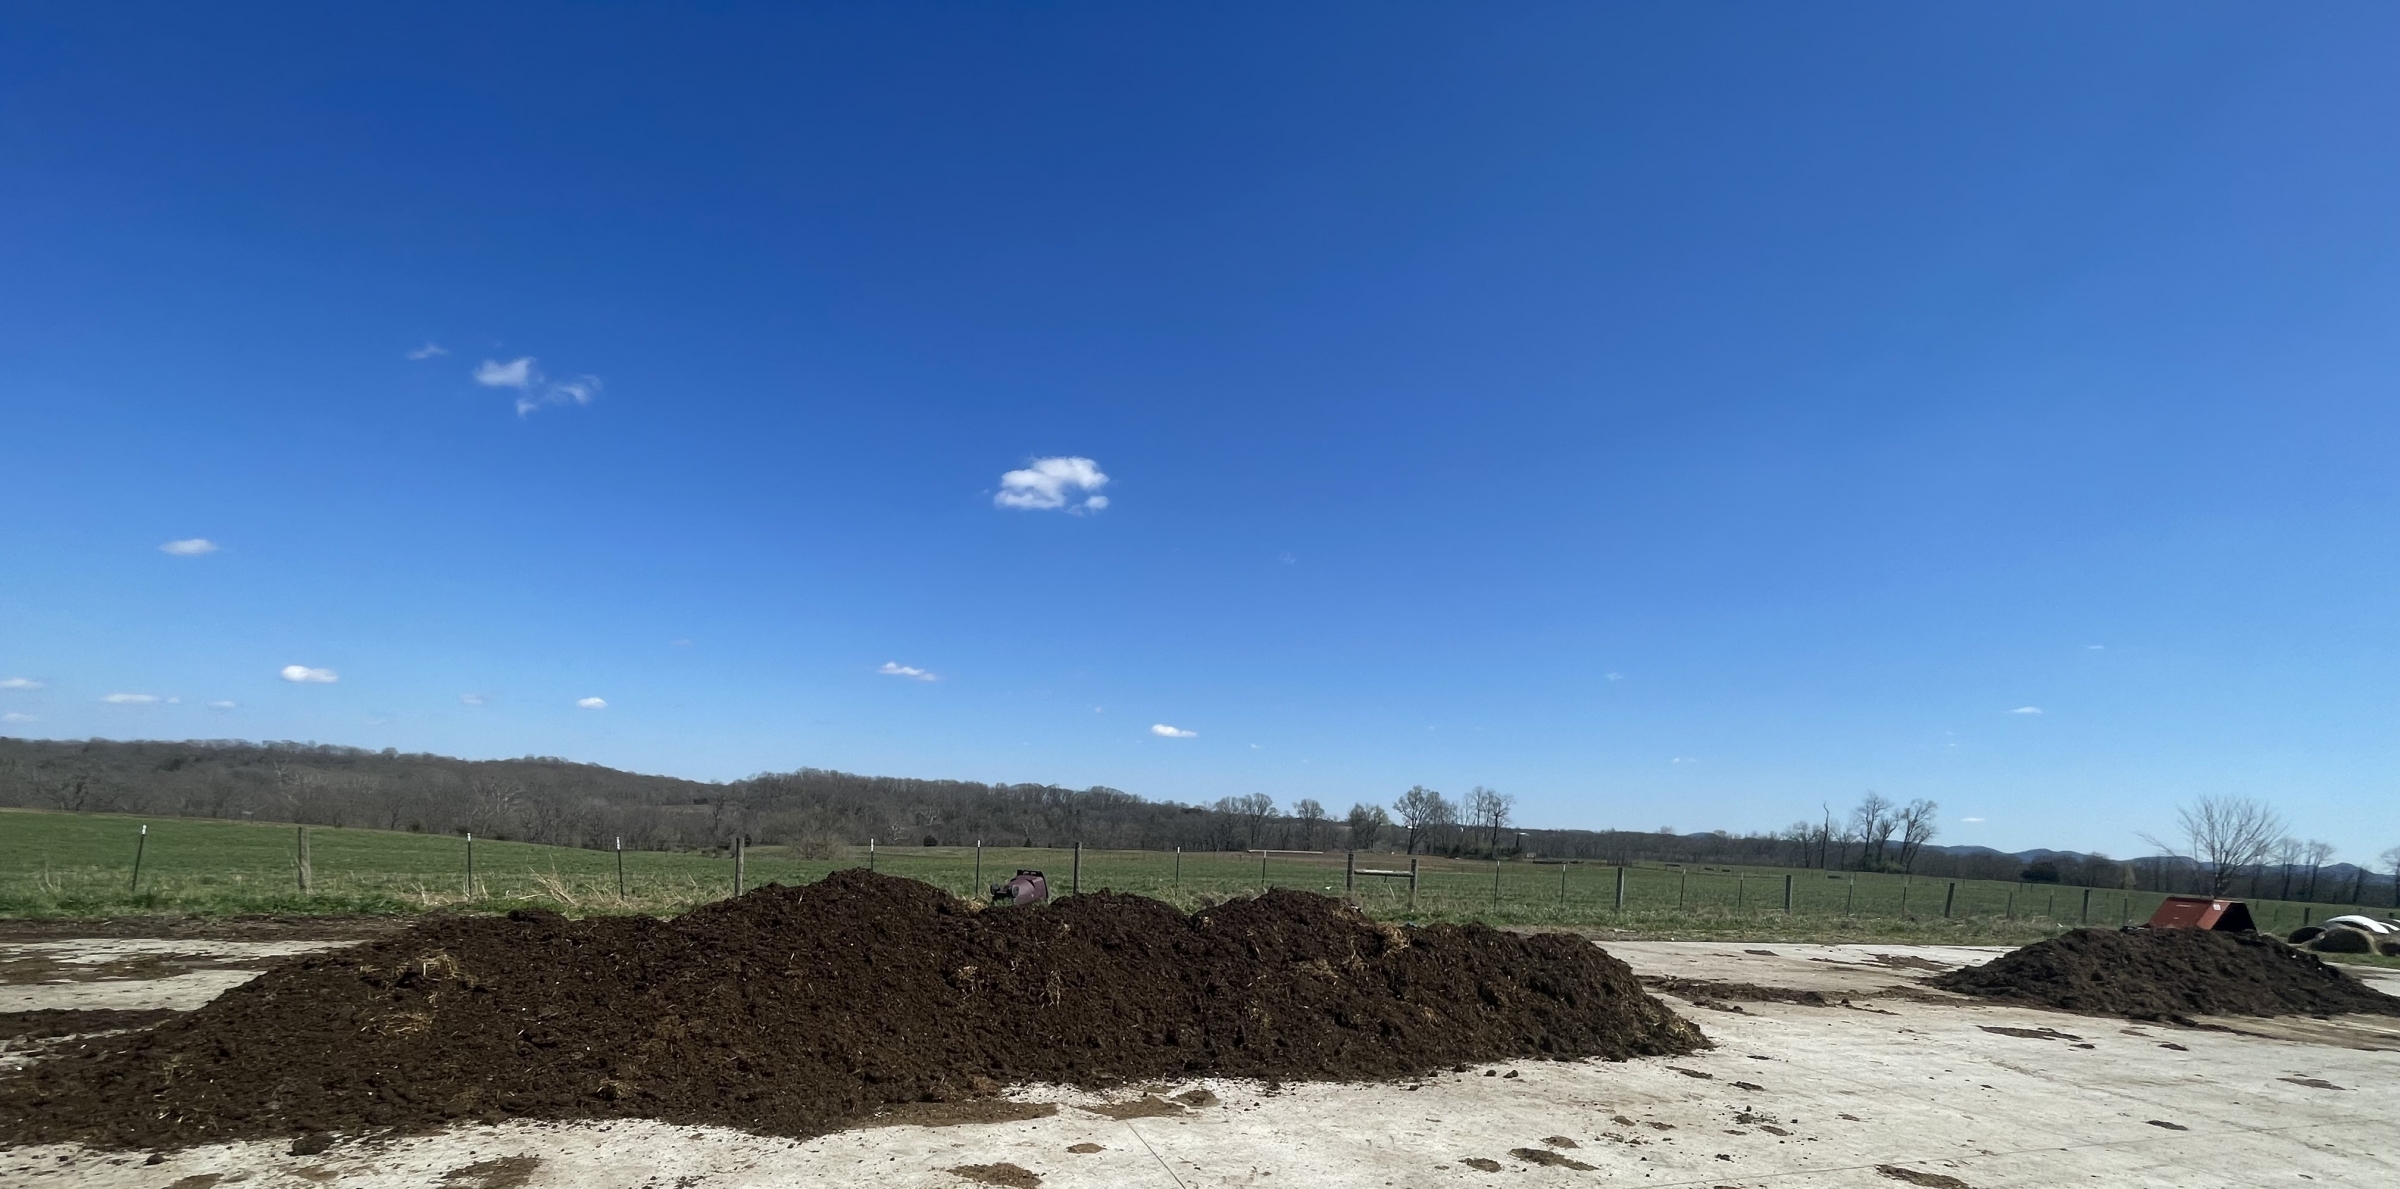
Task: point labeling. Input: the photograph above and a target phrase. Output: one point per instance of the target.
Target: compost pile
(791, 1010)
(2158, 974)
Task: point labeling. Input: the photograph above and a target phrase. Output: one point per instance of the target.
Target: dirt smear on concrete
(794, 1011)
(2169, 974)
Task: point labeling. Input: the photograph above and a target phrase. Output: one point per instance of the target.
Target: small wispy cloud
(591, 703)
(20, 683)
(130, 699)
(2026, 710)
(1686, 760)
(429, 351)
(1972, 821)
(13, 716)
(472, 699)
(221, 705)
(516, 373)
(307, 676)
(1164, 731)
(1616, 677)
(2095, 647)
(189, 547)
(1061, 484)
(896, 669)
(533, 388)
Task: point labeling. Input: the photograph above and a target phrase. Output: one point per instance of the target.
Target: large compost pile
(791, 1010)
(2156, 974)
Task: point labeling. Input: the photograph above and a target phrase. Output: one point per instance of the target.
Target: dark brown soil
(62, 1021)
(791, 1011)
(2155, 974)
(1007, 1176)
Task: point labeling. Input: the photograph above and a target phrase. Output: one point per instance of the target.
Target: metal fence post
(870, 854)
(302, 853)
(1621, 888)
(620, 866)
(141, 842)
(979, 866)
(1075, 877)
(470, 864)
(1412, 883)
(1179, 869)
(1263, 885)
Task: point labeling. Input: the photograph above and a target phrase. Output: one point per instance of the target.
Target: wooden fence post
(1621, 889)
(1495, 876)
(1787, 893)
(1562, 883)
(470, 864)
(1949, 898)
(1412, 883)
(1682, 882)
(141, 842)
(1263, 885)
(1904, 897)
(1850, 898)
(979, 866)
(1075, 878)
(737, 865)
(2087, 907)
(2010, 913)
(303, 856)
(620, 866)
(1349, 870)
(1739, 887)
(870, 854)
(1179, 869)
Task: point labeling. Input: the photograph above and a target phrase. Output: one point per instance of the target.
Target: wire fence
(215, 867)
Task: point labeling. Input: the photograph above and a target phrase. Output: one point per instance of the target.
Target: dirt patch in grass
(503, 1172)
(794, 1011)
(1549, 1159)
(1148, 1106)
(1930, 1180)
(2169, 974)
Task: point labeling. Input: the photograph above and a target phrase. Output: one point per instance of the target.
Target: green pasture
(81, 865)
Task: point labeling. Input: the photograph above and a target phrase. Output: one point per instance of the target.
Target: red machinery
(2200, 912)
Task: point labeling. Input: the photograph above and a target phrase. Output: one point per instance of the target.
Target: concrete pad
(1793, 1097)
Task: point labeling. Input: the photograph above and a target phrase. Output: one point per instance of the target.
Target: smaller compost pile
(792, 1010)
(2158, 974)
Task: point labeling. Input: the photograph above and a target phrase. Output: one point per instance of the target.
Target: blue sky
(1672, 415)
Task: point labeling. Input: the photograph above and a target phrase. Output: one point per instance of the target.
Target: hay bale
(2305, 934)
(2342, 939)
(2388, 948)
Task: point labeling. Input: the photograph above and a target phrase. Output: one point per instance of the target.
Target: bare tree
(2391, 862)
(1366, 824)
(1311, 814)
(2224, 835)
(1917, 827)
(1490, 808)
(2286, 853)
(1873, 821)
(1421, 809)
(2314, 853)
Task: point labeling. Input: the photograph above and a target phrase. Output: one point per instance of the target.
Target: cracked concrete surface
(1794, 1097)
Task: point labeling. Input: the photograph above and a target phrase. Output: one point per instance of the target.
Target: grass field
(82, 865)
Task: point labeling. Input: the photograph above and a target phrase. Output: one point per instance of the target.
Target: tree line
(2225, 846)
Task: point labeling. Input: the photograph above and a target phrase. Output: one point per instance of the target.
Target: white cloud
(896, 669)
(189, 547)
(472, 699)
(1616, 677)
(307, 676)
(20, 683)
(592, 703)
(1972, 821)
(516, 373)
(429, 351)
(13, 716)
(130, 699)
(221, 705)
(1054, 484)
(579, 390)
(1686, 760)
(2026, 710)
(1164, 731)
(2095, 647)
